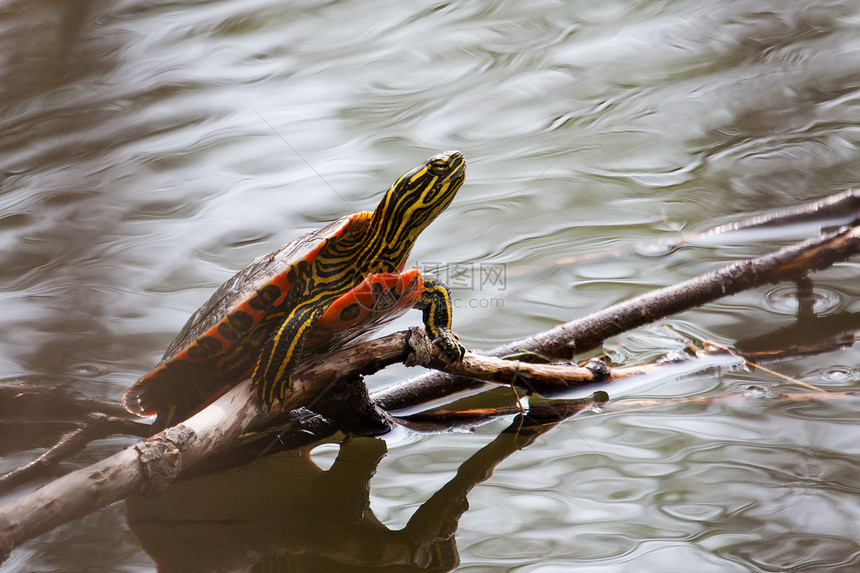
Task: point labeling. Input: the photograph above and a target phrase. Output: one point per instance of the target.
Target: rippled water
(149, 149)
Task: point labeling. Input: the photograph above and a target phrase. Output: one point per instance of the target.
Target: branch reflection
(285, 513)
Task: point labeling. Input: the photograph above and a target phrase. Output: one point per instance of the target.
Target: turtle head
(417, 198)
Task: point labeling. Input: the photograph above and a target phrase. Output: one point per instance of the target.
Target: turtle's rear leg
(272, 376)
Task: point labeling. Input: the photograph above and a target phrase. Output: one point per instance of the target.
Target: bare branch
(567, 340)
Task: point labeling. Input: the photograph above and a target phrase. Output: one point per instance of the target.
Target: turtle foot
(449, 346)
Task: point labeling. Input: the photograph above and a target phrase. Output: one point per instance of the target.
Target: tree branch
(567, 340)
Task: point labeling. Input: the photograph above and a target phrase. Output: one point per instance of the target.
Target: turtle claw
(450, 346)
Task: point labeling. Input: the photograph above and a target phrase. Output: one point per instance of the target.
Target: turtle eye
(438, 167)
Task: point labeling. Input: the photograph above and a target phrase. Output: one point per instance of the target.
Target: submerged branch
(839, 209)
(466, 419)
(22, 400)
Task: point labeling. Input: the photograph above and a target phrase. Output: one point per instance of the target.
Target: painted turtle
(322, 290)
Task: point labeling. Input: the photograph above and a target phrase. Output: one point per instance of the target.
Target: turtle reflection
(285, 513)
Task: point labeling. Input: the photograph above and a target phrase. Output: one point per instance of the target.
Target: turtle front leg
(272, 376)
(435, 302)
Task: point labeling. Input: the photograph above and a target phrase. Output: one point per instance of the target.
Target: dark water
(149, 149)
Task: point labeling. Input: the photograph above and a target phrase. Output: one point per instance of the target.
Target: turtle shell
(221, 341)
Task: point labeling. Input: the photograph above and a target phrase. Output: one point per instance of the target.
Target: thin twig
(98, 426)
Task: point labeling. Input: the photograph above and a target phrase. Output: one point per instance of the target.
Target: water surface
(150, 149)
